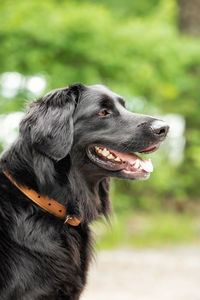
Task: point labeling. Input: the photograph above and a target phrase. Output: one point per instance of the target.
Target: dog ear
(47, 129)
(50, 122)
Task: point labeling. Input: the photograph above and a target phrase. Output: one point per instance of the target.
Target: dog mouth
(129, 165)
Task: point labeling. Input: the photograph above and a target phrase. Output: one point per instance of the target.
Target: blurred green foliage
(135, 48)
(148, 230)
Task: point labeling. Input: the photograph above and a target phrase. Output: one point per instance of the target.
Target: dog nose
(159, 128)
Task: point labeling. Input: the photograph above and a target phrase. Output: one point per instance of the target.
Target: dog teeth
(136, 164)
(145, 165)
(110, 156)
(103, 151)
(106, 153)
(117, 159)
(98, 149)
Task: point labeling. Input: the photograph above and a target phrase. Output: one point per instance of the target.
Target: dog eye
(103, 113)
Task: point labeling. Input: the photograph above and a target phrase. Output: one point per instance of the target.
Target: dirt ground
(151, 274)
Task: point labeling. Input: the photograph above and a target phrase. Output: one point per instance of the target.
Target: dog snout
(160, 129)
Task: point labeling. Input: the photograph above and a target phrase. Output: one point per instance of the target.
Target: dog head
(92, 125)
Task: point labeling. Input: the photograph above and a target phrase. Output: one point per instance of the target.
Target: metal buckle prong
(68, 217)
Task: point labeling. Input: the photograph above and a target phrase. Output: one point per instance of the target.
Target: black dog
(70, 142)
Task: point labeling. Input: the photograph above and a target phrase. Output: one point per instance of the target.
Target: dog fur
(41, 257)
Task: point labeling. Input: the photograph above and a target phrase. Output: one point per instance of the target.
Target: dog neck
(84, 196)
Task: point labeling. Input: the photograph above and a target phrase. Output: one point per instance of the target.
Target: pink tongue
(131, 158)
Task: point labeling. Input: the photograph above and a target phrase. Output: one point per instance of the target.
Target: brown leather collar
(50, 205)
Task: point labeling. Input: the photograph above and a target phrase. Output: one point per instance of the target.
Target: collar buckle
(68, 217)
(72, 220)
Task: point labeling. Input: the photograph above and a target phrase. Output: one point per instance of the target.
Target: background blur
(149, 52)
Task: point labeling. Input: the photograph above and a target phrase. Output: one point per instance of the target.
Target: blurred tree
(129, 8)
(189, 17)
